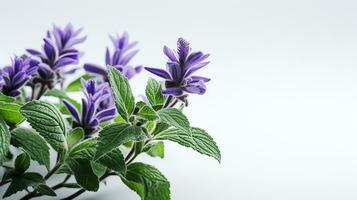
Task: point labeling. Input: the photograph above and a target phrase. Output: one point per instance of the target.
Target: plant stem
(52, 171)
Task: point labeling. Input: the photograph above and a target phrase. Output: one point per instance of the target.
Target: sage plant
(102, 135)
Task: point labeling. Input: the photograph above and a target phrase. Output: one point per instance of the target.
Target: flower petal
(72, 110)
(159, 72)
(96, 69)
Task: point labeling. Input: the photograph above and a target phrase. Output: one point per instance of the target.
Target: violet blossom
(97, 106)
(13, 77)
(123, 54)
(58, 52)
(179, 79)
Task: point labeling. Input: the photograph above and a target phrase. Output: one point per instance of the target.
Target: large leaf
(84, 174)
(10, 112)
(48, 122)
(114, 160)
(113, 135)
(33, 144)
(194, 138)
(124, 99)
(22, 182)
(174, 117)
(4, 140)
(76, 85)
(147, 182)
(153, 93)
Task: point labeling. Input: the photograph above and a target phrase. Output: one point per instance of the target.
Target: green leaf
(6, 98)
(22, 182)
(155, 150)
(76, 85)
(22, 163)
(48, 122)
(113, 135)
(153, 93)
(10, 112)
(84, 174)
(174, 117)
(98, 169)
(33, 144)
(148, 113)
(75, 136)
(84, 150)
(147, 182)
(45, 190)
(114, 160)
(4, 140)
(160, 127)
(194, 138)
(62, 95)
(124, 99)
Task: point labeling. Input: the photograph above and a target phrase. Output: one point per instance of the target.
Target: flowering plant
(102, 135)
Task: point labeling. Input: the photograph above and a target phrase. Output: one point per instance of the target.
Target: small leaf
(76, 85)
(10, 112)
(147, 113)
(22, 163)
(75, 136)
(48, 122)
(114, 160)
(45, 190)
(194, 138)
(22, 182)
(155, 150)
(33, 144)
(147, 182)
(4, 140)
(85, 149)
(62, 95)
(153, 93)
(160, 127)
(84, 174)
(174, 117)
(124, 99)
(98, 169)
(114, 135)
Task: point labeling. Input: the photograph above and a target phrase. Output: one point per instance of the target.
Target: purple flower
(13, 77)
(123, 53)
(58, 52)
(96, 107)
(181, 65)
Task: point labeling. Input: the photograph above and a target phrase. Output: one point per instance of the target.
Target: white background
(282, 103)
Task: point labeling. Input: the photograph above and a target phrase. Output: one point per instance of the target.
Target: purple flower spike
(97, 106)
(58, 52)
(122, 55)
(13, 77)
(180, 67)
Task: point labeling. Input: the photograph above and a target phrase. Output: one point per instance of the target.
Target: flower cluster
(58, 52)
(95, 107)
(123, 54)
(139, 127)
(181, 65)
(13, 77)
